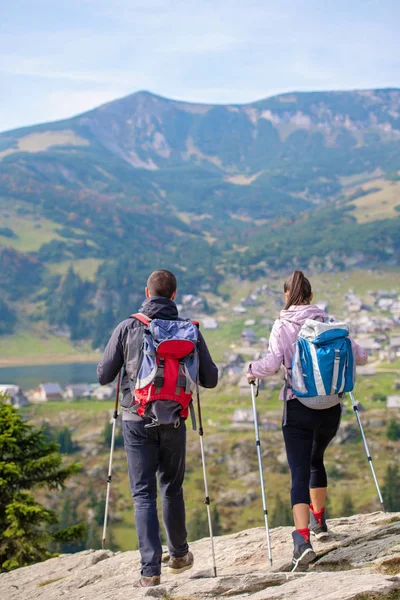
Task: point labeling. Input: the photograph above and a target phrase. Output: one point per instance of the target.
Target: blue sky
(62, 57)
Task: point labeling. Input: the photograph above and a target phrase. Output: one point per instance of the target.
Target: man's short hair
(162, 283)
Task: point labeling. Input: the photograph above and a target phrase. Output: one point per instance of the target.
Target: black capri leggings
(307, 435)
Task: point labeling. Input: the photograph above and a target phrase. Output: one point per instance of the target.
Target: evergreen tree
(347, 508)
(28, 462)
(102, 327)
(93, 539)
(64, 439)
(282, 513)
(393, 430)
(391, 488)
(8, 318)
(68, 518)
(216, 521)
(197, 526)
(107, 433)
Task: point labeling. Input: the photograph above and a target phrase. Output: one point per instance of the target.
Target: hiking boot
(318, 525)
(303, 552)
(178, 565)
(148, 581)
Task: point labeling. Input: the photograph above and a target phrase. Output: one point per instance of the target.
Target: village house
(248, 336)
(210, 323)
(47, 391)
(370, 345)
(103, 392)
(393, 402)
(354, 303)
(239, 309)
(77, 390)
(243, 416)
(251, 300)
(394, 344)
(234, 365)
(15, 395)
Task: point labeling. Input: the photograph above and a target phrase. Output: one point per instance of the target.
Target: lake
(31, 376)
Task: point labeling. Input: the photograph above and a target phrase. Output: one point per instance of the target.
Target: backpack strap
(142, 318)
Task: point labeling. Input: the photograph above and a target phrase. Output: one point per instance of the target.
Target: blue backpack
(323, 365)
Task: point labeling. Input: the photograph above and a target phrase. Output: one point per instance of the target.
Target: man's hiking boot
(318, 525)
(178, 565)
(148, 581)
(303, 552)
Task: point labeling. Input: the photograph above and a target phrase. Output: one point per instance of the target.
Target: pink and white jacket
(283, 338)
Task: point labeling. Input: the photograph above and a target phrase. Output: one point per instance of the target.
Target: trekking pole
(254, 393)
(115, 417)
(203, 460)
(355, 408)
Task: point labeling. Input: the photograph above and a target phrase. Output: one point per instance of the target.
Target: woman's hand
(250, 377)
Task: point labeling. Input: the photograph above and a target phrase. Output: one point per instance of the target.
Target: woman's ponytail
(299, 289)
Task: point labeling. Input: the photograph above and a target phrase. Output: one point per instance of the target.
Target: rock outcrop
(361, 561)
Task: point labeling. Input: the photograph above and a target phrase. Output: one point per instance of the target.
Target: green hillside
(212, 192)
(231, 463)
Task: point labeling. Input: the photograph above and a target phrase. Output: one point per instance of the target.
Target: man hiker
(154, 426)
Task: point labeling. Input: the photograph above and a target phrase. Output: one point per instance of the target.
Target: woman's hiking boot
(148, 581)
(303, 552)
(318, 525)
(178, 565)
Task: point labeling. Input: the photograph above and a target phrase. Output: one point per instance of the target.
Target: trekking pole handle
(256, 383)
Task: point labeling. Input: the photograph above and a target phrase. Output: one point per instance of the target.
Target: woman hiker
(307, 432)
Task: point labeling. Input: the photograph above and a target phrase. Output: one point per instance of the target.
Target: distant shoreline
(49, 359)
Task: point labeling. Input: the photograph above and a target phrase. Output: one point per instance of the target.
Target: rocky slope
(361, 561)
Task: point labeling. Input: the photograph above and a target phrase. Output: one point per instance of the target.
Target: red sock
(317, 513)
(305, 533)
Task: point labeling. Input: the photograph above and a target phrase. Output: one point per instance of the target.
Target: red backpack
(168, 372)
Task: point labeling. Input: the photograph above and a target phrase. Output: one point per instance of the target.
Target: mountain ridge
(214, 179)
(148, 93)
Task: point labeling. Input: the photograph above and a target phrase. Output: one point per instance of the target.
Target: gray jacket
(123, 350)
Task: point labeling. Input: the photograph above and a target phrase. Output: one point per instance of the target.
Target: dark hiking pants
(157, 451)
(307, 434)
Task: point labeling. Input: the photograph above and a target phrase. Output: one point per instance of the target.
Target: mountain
(208, 190)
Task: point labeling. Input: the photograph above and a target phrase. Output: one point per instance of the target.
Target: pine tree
(391, 488)
(393, 430)
(107, 433)
(282, 514)
(28, 462)
(197, 526)
(68, 518)
(93, 539)
(347, 508)
(64, 438)
(216, 521)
